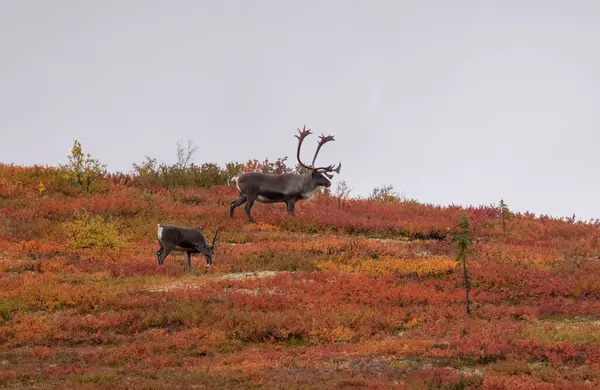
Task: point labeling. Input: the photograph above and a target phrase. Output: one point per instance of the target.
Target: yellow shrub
(339, 333)
(93, 232)
(328, 266)
(260, 227)
(404, 267)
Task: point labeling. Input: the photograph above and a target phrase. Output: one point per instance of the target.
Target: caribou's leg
(160, 251)
(189, 261)
(163, 253)
(249, 208)
(290, 206)
(241, 200)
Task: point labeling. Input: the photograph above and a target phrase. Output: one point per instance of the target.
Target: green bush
(185, 173)
(386, 194)
(169, 176)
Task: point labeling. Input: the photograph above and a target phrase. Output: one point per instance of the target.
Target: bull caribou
(285, 187)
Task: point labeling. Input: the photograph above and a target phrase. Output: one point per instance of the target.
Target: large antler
(322, 141)
(302, 134)
(330, 169)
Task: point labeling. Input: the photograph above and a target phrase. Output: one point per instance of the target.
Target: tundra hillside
(346, 293)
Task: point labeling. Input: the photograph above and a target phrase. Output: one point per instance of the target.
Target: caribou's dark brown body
(184, 239)
(286, 187)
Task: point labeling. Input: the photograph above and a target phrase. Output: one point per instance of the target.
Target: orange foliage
(365, 296)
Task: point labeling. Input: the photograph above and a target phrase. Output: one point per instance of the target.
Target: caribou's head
(321, 175)
(209, 250)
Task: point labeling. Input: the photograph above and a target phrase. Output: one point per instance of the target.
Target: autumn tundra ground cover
(354, 294)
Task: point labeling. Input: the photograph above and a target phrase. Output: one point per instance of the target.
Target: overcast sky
(462, 102)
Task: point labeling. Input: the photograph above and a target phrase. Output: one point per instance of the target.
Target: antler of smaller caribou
(215, 240)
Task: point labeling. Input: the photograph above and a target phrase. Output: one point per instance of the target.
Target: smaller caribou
(184, 239)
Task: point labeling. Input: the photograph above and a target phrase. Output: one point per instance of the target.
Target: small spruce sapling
(504, 215)
(463, 246)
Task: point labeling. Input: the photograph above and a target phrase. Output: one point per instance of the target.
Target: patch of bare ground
(197, 282)
(13, 260)
(248, 275)
(256, 291)
(389, 240)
